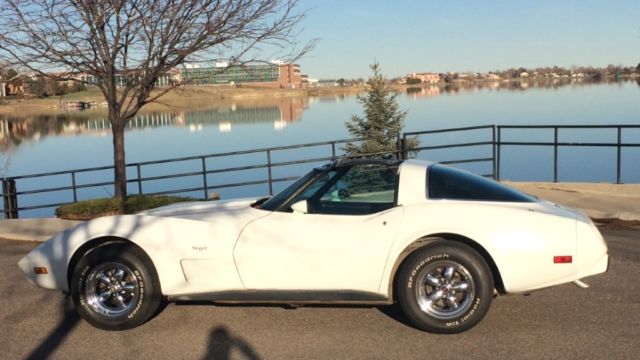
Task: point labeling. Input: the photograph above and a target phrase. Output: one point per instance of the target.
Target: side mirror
(300, 206)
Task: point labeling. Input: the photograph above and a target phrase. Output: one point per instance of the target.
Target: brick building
(428, 78)
(272, 75)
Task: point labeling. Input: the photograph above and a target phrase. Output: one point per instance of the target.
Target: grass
(91, 209)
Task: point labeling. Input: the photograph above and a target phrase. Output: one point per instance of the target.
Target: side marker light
(40, 270)
(564, 259)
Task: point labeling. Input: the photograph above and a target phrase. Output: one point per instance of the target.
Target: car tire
(115, 287)
(445, 287)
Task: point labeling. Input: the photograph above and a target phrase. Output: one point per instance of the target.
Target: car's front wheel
(114, 287)
(445, 287)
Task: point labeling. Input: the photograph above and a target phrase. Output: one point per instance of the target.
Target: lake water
(80, 140)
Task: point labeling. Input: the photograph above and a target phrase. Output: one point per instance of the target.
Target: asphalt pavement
(601, 322)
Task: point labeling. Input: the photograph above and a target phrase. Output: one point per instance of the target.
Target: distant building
(273, 75)
(428, 78)
(168, 79)
(13, 86)
(327, 83)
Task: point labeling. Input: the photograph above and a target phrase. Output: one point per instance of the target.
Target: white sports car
(439, 241)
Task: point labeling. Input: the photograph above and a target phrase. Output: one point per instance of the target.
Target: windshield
(275, 201)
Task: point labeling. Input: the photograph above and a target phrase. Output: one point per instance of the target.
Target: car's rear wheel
(445, 287)
(115, 287)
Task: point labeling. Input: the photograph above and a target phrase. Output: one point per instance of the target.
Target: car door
(340, 243)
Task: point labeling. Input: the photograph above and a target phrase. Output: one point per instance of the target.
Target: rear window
(449, 183)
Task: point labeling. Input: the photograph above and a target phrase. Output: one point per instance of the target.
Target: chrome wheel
(112, 289)
(444, 289)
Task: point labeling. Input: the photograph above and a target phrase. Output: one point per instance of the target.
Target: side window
(453, 184)
(360, 190)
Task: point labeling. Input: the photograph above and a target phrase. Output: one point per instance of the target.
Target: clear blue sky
(442, 35)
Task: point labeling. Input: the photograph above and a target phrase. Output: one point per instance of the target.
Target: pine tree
(383, 121)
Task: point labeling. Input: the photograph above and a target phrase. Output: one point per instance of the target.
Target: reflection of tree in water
(222, 343)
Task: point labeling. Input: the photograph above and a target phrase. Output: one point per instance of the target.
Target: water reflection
(430, 90)
(418, 92)
(15, 131)
(225, 116)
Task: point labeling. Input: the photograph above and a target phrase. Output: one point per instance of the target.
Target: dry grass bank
(186, 98)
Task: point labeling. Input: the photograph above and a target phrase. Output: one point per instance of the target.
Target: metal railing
(619, 145)
(10, 193)
(492, 137)
(490, 142)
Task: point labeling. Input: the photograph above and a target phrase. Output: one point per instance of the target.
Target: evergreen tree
(383, 121)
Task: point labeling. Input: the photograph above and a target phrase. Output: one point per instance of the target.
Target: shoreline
(193, 97)
(187, 98)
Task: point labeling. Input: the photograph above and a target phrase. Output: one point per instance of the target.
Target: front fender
(172, 244)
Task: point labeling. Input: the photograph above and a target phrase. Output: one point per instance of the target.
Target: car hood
(209, 210)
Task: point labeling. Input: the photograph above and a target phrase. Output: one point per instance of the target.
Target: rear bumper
(598, 267)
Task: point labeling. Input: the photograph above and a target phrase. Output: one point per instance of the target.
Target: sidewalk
(600, 201)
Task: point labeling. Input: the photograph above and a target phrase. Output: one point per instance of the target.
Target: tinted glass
(449, 183)
(274, 202)
(321, 183)
(357, 190)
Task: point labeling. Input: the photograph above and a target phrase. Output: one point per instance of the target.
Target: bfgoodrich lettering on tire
(115, 287)
(445, 287)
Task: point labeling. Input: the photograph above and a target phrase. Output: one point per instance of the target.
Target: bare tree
(125, 46)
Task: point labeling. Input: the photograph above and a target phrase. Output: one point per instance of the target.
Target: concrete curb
(33, 229)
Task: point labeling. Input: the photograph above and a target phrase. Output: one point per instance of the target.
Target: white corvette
(439, 241)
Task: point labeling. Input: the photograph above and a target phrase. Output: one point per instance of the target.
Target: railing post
(499, 150)
(204, 178)
(555, 154)
(5, 206)
(269, 171)
(619, 157)
(405, 149)
(138, 173)
(493, 151)
(400, 149)
(333, 150)
(73, 186)
(10, 198)
(401, 146)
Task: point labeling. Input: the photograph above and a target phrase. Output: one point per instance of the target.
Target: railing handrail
(185, 158)
(465, 128)
(627, 126)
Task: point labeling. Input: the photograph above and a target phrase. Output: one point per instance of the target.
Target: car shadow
(394, 312)
(221, 343)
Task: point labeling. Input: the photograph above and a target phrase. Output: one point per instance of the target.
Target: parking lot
(565, 322)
